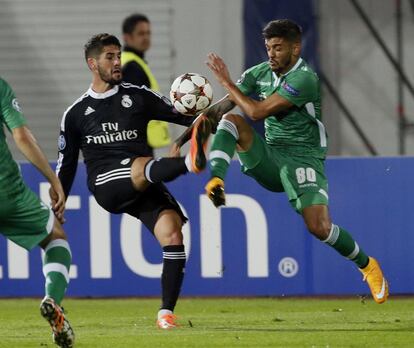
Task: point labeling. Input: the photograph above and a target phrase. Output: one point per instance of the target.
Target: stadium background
(41, 56)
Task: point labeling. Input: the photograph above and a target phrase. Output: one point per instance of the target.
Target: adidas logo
(89, 110)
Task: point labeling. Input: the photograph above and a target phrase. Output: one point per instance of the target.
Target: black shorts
(113, 190)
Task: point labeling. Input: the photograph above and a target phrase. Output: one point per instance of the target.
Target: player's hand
(219, 69)
(175, 150)
(57, 198)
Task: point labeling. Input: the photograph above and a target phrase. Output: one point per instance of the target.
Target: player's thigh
(153, 201)
(304, 181)
(138, 178)
(29, 220)
(113, 188)
(261, 162)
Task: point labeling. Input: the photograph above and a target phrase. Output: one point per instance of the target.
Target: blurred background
(361, 49)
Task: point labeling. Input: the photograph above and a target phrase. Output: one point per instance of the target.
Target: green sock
(343, 243)
(222, 149)
(56, 264)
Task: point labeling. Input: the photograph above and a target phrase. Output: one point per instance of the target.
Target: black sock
(165, 169)
(172, 275)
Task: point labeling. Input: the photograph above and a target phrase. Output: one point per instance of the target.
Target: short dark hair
(284, 28)
(95, 45)
(131, 21)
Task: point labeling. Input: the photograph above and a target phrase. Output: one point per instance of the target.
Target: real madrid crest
(126, 101)
(61, 142)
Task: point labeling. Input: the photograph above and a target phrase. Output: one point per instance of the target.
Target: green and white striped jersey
(298, 130)
(10, 116)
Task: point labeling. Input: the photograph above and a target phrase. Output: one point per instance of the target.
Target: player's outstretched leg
(376, 280)
(215, 191)
(63, 334)
(199, 137)
(221, 152)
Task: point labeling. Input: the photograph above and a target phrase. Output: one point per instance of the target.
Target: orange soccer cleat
(167, 321)
(376, 281)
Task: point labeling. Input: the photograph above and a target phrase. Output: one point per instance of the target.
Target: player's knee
(56, 233)
(239, 128)
(171, 237)
(176, 238)
(234, 118)
(138, 173)
(319, 228)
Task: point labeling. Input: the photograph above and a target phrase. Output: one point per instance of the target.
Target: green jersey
(298, 130)
(10, 115)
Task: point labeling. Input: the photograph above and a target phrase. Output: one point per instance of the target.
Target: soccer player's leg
(147, 170)
(306, 186)
(162, 215)
(344, 244)
(232, 131)
(32, 223)
(56, 265)
(168, 232)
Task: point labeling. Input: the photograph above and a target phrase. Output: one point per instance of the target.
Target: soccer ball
(191, 93)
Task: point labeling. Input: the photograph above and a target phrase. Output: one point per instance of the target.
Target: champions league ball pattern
(191, 93)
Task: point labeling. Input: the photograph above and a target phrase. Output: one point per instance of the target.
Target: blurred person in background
(136, 30)
(291, 157)
(108, 124)
(27, 221)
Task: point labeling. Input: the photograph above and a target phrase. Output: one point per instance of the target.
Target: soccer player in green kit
(291, 157)
(27, 221)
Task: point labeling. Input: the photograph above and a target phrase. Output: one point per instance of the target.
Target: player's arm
(255, 110)
(68, 155)
(27, 144)
(258, 110)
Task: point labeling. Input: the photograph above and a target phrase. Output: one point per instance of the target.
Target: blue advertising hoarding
(255, 246)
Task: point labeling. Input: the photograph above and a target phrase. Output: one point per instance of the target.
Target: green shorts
(25, 219)
(302, 178)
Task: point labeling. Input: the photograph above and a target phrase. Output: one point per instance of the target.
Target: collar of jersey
(104, 95)
(299, 62)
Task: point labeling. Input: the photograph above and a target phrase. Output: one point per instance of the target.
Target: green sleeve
(299, 88)
(246, 83)
(9, 107)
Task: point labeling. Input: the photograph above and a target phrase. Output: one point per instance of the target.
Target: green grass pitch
(251, 322)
